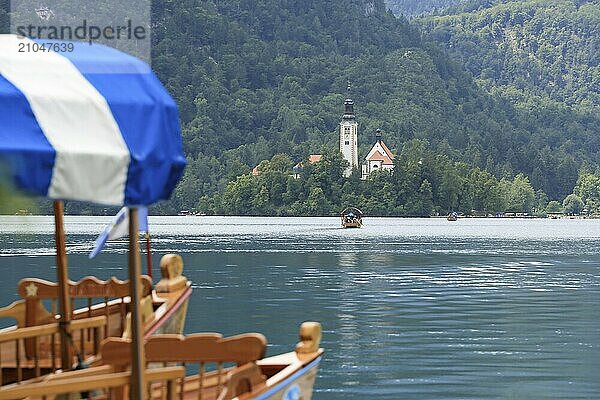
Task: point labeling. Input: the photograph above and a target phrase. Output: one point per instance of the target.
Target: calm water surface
(411, 308)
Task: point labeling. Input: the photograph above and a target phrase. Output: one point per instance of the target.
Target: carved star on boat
(31, 290)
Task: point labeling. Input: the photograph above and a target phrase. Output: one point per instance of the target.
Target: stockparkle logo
(84, 31)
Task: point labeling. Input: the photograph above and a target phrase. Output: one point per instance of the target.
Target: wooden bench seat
(205, 350)
(15, 366)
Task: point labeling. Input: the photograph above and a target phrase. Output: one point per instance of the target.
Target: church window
(347, 142)
(347, 130)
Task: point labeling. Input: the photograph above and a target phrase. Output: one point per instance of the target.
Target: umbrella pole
(138, 362)
(62, 275)
(148, 255)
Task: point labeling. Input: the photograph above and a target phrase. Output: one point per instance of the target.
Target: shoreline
(504, 217)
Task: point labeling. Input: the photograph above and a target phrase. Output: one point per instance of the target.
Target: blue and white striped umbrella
(93, 124)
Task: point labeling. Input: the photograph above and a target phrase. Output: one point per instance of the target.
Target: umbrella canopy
(91, 124)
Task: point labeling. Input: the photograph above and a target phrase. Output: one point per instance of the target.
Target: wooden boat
(285, 376)
(74, 136)
(253, 376)
(282, 377)
(31, 348)
(351, 218)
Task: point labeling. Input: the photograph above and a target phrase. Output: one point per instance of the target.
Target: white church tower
(349, 137)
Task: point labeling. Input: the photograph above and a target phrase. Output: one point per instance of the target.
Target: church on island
(379, 157)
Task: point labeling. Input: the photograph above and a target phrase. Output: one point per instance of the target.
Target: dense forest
(543, 57)
(535, 50)
(4, 17)
(418, 7)
(269, 78)
(256, 79)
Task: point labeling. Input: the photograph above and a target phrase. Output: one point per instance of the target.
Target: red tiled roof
(387, 151)
(377, 156)
(255, 171)
(314, 158)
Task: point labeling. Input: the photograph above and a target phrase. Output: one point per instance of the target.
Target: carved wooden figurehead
(310, 338)
(171, 270)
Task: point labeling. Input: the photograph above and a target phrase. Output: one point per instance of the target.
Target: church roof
(313, 158)
(380, 152)
(377, 156)
(387, 150)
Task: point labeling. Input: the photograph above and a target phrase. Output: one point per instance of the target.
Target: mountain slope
(545, 48)
(4, 18)
(256, 78)
(543, 57)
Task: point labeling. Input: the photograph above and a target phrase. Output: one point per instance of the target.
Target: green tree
(541, 202)
(588, 189)
(484, 188)
(239, 195)
(260, 202)
(317, 204)
(573, 205)
(519, 194)
(12, 202)
(425, 199)
(554, 207)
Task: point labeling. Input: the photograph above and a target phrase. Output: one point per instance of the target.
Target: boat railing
(209, 352)
(16, 365)
(108, 298)
(94, 379)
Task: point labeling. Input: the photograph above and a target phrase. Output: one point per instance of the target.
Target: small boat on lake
(453, 216)
(352, 218)
(96, 125)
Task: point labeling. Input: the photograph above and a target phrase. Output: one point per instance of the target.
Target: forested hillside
(529, 48)
(418, 7)
(257, 78)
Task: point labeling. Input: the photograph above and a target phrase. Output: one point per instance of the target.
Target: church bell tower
(349, 136)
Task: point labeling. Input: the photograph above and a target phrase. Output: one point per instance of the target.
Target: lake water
(411, 308)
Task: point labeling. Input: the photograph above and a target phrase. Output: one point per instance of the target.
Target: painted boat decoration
(95, 124)
(352, 218)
